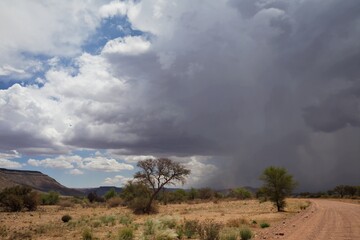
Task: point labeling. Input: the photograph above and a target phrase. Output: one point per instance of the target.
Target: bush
(240, 193)
(193, 193)
(16, 198)
(136, 196)
(110, 194)
(87, 235)
(245, 234)
(50, 198)
(190, 228)
(209, 230)
(93, 197)
(114, 202)
(66, 218)
(264, 225)
(126, 234)
(206, 193)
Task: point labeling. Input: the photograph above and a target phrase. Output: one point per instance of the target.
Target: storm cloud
(247, 84)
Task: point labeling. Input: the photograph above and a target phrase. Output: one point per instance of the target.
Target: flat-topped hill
(35, 180)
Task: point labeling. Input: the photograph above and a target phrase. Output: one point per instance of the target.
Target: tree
(340, 189)
(240, 193)
(193, 193)
(50, 198)
(206, 193)
(157, 173)
(278, 184)
(110, 194)
(350, 190)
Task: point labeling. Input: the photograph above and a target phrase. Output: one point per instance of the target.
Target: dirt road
(323, 220)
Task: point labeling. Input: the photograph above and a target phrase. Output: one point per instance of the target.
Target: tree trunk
(148, 206)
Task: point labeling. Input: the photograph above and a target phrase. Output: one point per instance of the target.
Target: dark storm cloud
(250, 83)
(258, 86)
(338, 111)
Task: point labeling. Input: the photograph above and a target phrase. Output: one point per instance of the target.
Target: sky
(225, 87)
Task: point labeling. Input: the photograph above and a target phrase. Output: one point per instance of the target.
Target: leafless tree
(156, 173)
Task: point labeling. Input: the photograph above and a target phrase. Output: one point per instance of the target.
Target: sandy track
(323, 220)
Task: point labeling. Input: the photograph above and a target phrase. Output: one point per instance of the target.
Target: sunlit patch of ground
(104, 223)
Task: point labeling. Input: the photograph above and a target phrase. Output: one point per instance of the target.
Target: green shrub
(108, 220)
(136, 196)
(16, 198)
(126, 233)
(110, 194)
(87, 235)
(50, 198)
(245, 234)
(240, 193)
(66, 218)
(264, 225)
(192, 194)
(209, 230)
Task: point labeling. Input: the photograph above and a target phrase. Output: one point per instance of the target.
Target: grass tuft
(264, 225)
(245, 234)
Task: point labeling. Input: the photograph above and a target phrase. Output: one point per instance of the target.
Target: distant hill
(35, 180)
(100, 191)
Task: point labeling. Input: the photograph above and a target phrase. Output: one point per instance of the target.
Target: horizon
(227, 88)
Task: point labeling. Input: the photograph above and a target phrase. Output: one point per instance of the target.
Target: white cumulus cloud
(117, 180)
(130, 45)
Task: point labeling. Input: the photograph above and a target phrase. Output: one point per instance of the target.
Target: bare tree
(156, 173)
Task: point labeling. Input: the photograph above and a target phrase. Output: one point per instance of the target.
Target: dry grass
(105, 222)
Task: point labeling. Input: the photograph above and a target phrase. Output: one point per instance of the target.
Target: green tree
(157, 173)
(278, 184)
(240, 193)
(50, 198)
(193, 193)
(110, 194)
(136, 196)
